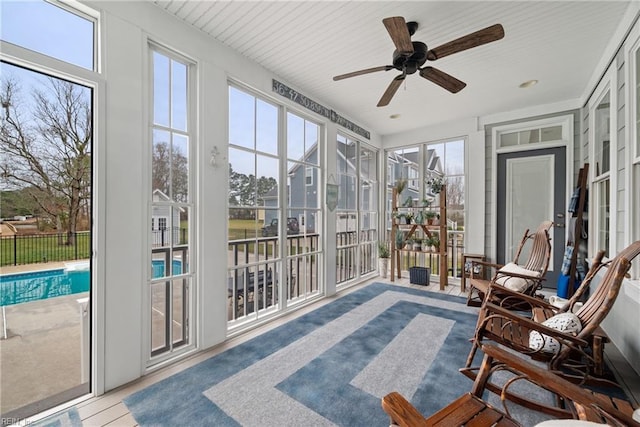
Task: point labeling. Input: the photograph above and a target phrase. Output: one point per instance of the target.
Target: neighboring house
(302, 192)
(163, 222)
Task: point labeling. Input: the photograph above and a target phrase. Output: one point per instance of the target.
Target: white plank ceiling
(306, 43)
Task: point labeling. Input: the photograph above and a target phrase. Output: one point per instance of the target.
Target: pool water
(38, 285)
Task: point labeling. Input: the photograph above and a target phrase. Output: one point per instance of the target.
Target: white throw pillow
(518, 284)
(563, 322)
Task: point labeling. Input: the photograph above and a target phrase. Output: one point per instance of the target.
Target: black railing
(19, 250)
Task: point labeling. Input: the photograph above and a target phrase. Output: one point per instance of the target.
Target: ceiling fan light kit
(410, 56)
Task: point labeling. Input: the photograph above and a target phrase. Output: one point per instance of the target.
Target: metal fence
(19, 250)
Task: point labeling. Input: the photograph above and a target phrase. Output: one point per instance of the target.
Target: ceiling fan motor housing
(411, 64)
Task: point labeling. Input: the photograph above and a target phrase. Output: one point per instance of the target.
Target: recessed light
(528, 83)
(394, 116)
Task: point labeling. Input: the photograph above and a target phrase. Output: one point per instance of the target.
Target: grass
(43, 248)
(240, 229)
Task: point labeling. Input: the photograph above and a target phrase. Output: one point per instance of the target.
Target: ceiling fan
(409, 56)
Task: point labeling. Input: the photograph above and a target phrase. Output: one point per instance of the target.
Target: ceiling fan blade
(397, 28)
(484, 36)
(442, 79)
(361, 72)
(391, 90)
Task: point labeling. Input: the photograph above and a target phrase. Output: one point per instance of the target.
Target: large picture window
(438, 161)
(274, 218)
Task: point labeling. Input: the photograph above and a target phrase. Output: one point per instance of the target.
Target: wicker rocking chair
(567, 352)
(525, 278)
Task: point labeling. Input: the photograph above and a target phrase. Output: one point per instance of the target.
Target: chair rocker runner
(563, 341)
(470, 409)
(525, 278)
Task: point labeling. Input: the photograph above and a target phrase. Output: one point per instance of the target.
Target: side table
(466, 268)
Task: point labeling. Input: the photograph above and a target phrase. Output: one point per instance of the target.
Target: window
(635, 163)
(62, 33)
(274, 218)
(601, 131)
(357, 213)
(442, 160)
(172, 275)
(539, 132)
(309, 176)
(162, 223)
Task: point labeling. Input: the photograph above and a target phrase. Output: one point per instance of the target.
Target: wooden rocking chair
(526, 278)
(567, 353)
(470, 409)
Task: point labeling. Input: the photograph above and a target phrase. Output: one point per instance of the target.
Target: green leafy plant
(435, 184)
(401, 184)
(383, 249)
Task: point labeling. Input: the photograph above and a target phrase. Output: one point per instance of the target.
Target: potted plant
(435, 244)
(408, 217)
(400, 239)
(435, 184)
(401, 184)
(383, 258)
(419, 218)
(426, 244)
(431, 215)
(417, 243)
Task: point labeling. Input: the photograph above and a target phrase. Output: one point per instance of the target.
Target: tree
(245, 190)
(46, 148)
(170, 172)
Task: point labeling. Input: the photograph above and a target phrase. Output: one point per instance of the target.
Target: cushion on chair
(518, 284)
(563, 322)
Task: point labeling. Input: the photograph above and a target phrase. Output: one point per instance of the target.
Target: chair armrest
(401, 411)
(533, 301)
(485, 263)
(492, 310)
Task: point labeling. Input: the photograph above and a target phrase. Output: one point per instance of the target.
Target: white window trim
(154, 362)
(607, 85)
(566, 122)
(46, 64)
(632, 179)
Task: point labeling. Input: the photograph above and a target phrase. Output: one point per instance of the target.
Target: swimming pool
(37, 285)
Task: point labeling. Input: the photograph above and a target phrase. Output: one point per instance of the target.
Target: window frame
(173, 350)
(607, 222)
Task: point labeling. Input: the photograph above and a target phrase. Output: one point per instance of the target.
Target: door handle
(560, 225)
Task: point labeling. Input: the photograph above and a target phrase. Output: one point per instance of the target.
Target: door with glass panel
(531, 189)
(47, 93)
(171, 216)
(357, 211)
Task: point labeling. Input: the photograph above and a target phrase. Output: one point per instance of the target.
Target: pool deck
(41, 355)
(26, 268)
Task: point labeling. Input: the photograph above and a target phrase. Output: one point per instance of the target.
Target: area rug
(328, 367)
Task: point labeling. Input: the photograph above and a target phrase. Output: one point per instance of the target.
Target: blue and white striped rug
(328, 367)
